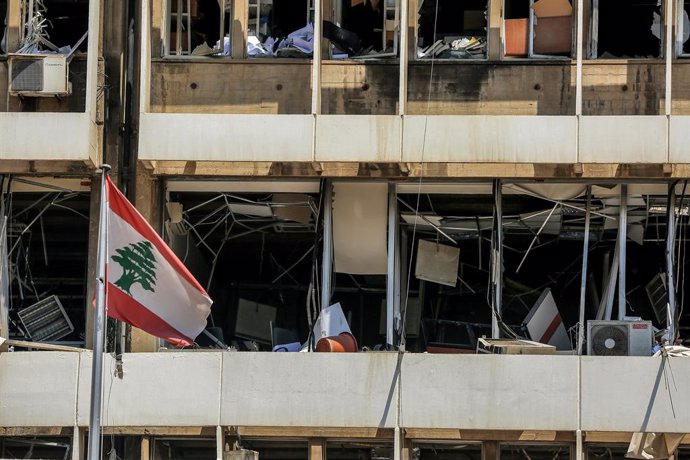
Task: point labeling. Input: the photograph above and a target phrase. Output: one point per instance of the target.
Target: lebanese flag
(147, 285)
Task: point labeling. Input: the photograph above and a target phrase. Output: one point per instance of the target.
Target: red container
(343, 343)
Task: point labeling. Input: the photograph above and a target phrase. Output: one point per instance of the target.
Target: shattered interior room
(421, 265)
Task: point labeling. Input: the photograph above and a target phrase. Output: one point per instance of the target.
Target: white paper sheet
(360, 212)
(331, 322)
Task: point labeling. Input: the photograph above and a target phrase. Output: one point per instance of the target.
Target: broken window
(197, 27)
(446, 451)
(3, 26)
(54, 26)
(683, 28)
(36, 447)
(535, 452)
(281, 28)
(640, 37)
(343, 450)
(47, 251)
(606, 452)
(364, 29)
(542, 28)
(457, 30)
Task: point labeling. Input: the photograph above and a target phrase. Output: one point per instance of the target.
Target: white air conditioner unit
(39, 75)
(619, 338)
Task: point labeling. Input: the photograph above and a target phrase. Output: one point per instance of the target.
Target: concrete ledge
(47, 136)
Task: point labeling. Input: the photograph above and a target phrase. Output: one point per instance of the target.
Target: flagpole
(94, 451)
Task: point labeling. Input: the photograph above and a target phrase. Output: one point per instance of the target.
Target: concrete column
(317, 449)
(494, 33)
(240, 18)
(92, 262)
(77, 444)
(145, 451)
(13, 25)
(148, 199)
(220, 442)
(490, 450)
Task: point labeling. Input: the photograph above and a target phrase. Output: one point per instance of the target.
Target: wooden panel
(492, 89)
(623, 88)
(351, 88)
(223, 86)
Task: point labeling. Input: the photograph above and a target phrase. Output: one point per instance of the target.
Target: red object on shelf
(342, 343)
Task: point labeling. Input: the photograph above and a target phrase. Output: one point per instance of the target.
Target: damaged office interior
(261, 256)
(45, 251)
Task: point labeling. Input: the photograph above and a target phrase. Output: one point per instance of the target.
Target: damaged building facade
(490, 195)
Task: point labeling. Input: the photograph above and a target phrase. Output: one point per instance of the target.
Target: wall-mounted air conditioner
(39, 75)
(619, 338)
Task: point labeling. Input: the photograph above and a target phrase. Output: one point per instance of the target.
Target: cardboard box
(553, 35)
(517, 35)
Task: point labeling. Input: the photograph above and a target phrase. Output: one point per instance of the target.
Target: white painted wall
(517, 392)
(38, 389)
(47, 136)
(350, 390)
(414, 138)
(491, 139)
(636, 394)
(623, 139)
(316, 389)
(212, 137)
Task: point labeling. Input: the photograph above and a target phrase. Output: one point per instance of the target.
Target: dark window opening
(446, 451)
(68, 20)
(460, 29)
(363, 29)
(38, 447)
(47, 244)
(361, 450)
(634, 31)
(534, 452)
(197, 31)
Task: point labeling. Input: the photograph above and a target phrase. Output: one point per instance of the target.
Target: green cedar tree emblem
(138, 264)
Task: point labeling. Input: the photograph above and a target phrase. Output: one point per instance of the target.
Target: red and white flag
(147, 285)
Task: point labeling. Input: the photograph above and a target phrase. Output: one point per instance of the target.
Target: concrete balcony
(366, 390)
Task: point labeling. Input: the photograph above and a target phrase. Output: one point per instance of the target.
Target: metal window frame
(593, 44)
(486, 53)
(338, 18)
(530, 44)
(680, 9)
(168, 52)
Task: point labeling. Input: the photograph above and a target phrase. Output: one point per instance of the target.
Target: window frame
(338, 19)
(532, 22)
(680, 9)
(593, 45)
(473, 59)
(530, 40)
(167, 30)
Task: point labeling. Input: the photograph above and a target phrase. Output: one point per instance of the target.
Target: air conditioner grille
(609, 341)
(46, 320)
(27, 75)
